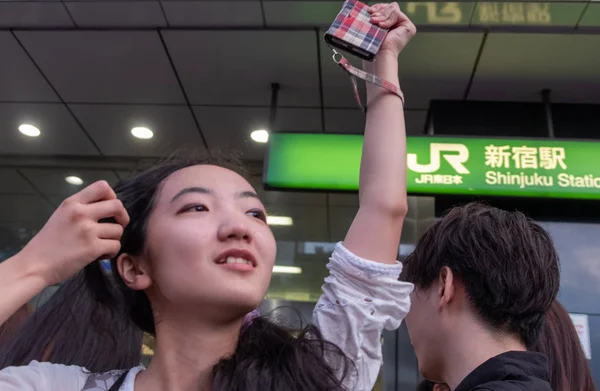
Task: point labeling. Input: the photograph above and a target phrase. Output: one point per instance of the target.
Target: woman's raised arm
(362, 295)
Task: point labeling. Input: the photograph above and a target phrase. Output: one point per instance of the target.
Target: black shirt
(511, 371)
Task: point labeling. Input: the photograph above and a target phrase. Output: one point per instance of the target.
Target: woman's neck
(185, 355)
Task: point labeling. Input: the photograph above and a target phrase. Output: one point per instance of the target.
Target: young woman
(197, 256)
(567, 365)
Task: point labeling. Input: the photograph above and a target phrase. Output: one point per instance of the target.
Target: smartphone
(353, 32)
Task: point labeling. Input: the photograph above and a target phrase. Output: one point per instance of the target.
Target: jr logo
(458, 155)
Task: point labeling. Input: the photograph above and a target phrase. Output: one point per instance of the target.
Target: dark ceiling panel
(105, 66)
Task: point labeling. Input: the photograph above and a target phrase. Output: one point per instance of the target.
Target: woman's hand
(401, 29)
(73, 236)
(375, 231)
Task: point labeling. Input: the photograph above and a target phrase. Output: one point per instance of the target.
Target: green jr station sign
(443, 165)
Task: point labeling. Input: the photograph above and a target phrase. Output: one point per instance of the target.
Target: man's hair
(506, 262)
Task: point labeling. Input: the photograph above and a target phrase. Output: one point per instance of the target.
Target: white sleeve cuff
(344, 257)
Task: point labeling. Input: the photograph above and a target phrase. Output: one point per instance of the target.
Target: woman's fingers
(109, 231)
(97, 191)
(109, 248)
(377, 7)
(109, 209)
(386, 15)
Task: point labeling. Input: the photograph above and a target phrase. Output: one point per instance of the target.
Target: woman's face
(208, 244)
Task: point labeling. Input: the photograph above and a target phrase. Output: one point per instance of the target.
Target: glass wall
(579, 249)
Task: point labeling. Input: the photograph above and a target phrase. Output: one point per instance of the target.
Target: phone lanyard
(354, 72)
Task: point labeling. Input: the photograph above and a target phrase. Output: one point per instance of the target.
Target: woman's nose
(234, 229)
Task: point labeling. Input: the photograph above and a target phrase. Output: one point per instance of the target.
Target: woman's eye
(259, 214)
(195, 208)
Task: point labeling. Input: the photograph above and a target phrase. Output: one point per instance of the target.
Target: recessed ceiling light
(280, 220)
(29, 130)
(260, 136)
(74, 180)
(287, 269)
(142, 132)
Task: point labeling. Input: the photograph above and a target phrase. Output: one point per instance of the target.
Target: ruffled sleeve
(360, 299)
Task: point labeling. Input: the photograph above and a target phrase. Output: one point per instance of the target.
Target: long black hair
(268, 356)
(72, 328)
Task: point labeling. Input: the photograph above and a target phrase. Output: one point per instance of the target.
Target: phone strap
(354, 73)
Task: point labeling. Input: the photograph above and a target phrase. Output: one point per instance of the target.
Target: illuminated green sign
(443, 165)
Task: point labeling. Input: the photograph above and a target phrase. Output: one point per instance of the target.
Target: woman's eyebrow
(201, 190)
(247, 194)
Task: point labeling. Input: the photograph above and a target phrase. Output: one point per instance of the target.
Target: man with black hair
(484, 278)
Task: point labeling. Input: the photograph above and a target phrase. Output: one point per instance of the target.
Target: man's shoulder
(510, 371)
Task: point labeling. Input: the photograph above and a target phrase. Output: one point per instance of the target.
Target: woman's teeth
(237, 260)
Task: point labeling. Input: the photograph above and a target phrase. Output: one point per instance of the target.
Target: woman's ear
(134, 272)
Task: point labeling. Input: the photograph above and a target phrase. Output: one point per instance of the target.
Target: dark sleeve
(513, 386)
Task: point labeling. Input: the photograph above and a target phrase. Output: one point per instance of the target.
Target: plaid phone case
(353, 32)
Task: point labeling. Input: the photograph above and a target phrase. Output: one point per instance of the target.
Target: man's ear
(134, 272)
(447, 286)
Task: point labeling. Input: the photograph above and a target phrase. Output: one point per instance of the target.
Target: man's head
(480, 266)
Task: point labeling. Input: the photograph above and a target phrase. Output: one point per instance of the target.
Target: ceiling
(282, 13)
(199, 74)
